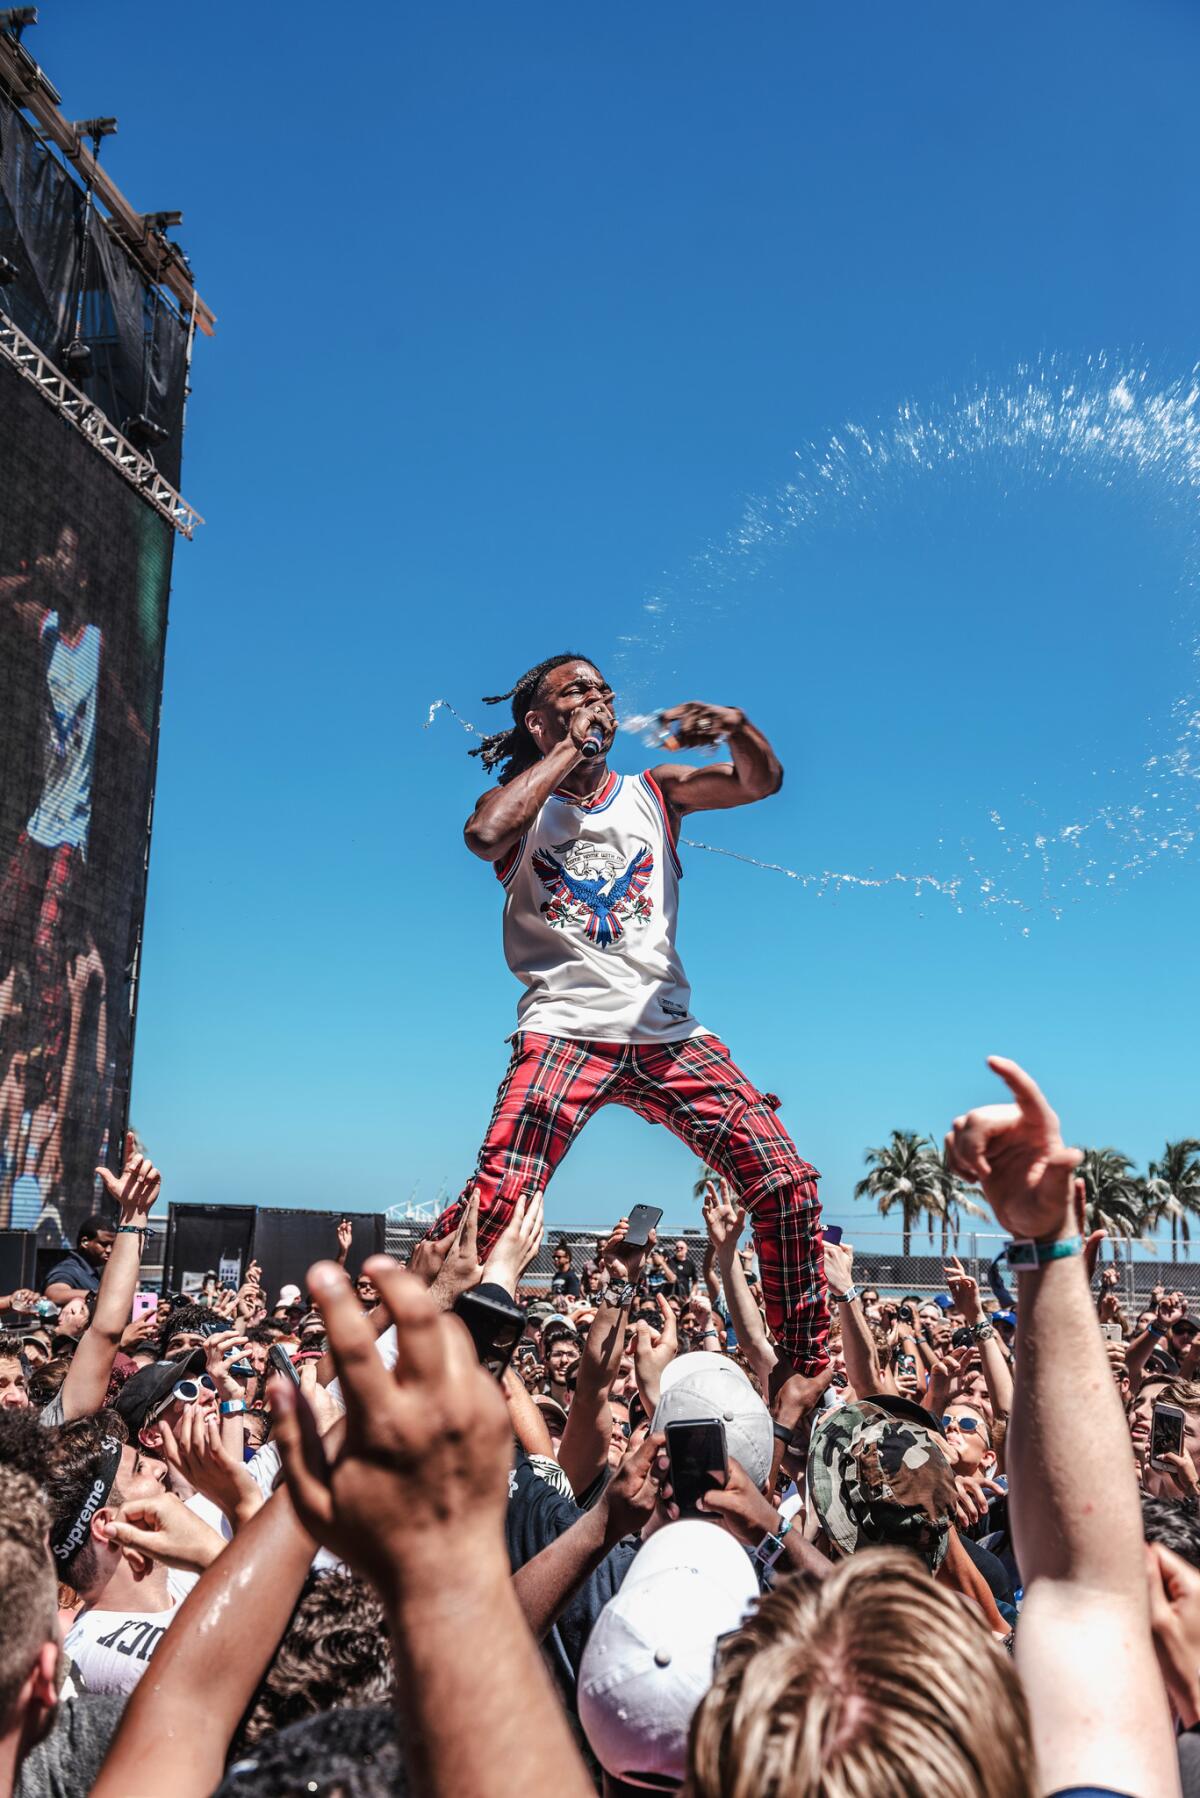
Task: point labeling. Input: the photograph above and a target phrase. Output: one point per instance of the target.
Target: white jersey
(111, 1649)
(592, 892)
(64, 814)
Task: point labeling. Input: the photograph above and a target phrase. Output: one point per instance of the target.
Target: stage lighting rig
(143, 433)
(162, 221)
(77, 359)
(93, 128)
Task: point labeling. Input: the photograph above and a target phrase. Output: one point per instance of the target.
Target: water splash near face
(1106, 425)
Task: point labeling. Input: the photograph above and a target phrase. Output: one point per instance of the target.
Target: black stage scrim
(85, 567)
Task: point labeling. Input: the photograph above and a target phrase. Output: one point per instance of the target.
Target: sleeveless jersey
(591, 896)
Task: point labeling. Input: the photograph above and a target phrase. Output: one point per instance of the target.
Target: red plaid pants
(553, 1086)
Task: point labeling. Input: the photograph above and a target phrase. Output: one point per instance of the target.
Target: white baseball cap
(288, 1295)
(701, 1385)
(649, 1658)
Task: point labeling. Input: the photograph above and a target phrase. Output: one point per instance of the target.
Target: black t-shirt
(685, 1274)
(565, 1285)
(996, 1575)
(538, 1515)
(73, 1270)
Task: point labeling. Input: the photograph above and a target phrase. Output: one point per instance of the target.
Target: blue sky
(517, 310)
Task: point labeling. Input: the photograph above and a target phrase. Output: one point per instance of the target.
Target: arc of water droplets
(825, 882)
(1102, 419)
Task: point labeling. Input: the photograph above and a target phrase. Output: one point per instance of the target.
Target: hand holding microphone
(588, 731)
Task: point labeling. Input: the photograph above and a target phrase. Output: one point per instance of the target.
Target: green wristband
(1028, 1256)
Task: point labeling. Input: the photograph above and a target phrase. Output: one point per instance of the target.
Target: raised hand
(517, 1244)
(723, 1220)
(421, 1470)
(345, 1236)
(1017, 1155)
(740, 1506)
(964, 1291)
(161, 1528)
(653, 1351)
(625, 1264)
(461, 1268)
(196, 1453)
(695, 725)
(839, 1265)
(139, 1184)
(630, 1496)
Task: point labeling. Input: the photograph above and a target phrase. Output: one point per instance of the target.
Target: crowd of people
(340, 1545)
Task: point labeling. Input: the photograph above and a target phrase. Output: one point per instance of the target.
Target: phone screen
(642, 1219)
(1166, 1432)
(699, 1463)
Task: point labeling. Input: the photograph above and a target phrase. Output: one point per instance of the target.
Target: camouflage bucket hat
(877, 1479)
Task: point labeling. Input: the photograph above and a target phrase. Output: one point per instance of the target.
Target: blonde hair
(873, 1683)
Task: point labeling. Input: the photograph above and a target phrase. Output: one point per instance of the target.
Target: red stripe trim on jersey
(655, 792)
(598, 801)
(506, 867)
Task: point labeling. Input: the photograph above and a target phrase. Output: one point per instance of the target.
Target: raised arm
(858, 1344)
(965, 1293)
(1084, 1648)
(211, 1647)
(753, 773)
(724, 1222)
(503, 814)
(414, 1499)
(91, 1366)
(584, 1444)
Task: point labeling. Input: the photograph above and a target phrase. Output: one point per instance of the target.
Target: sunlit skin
(14, 1395)
(974, 1446)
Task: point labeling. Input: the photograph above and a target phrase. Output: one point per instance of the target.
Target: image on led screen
(84, 578)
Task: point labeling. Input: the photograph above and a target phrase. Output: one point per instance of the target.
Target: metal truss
(88, 419)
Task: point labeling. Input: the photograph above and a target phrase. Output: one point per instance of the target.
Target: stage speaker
(286, 1243)
(204, 1239)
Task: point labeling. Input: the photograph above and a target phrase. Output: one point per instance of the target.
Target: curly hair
(27, 1581)
(514, 750)
(335, 1653)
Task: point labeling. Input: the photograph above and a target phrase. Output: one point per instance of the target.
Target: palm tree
(1115, 1196)
(904, 1173)
(1172, 1191)
(955, 1200)
(710, 1177)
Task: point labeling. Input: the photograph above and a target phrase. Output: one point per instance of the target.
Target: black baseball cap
(150, 1385)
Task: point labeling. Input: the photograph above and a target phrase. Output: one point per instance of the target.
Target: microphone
(592, 745)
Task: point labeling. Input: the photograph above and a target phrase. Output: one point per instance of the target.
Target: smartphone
(144, 1305)
(280, 1362)
(962, 1338)
(699, 1461)
(496, 1326)
(1166, 1435)
(1112, 1332)
(642, 1219)
(832, 1233)
(906, 1364)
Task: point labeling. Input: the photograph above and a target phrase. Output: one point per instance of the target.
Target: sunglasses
(968, 1425)
(186, 1391)
(625, 1429)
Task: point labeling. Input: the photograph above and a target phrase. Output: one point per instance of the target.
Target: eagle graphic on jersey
(582, 877)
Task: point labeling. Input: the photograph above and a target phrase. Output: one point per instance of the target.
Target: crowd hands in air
(958, 1559)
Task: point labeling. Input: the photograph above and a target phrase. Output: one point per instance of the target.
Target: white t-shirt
(111, 1649)
(64, 813)
(592, 892)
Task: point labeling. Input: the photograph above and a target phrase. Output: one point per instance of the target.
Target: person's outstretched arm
(546, 1584)
(583, 1446)
(177, 1727)
(965, 1292)
(753, 773)
(414, 1498)
(724, 1222)
(91, 1367)
(1084, 1648)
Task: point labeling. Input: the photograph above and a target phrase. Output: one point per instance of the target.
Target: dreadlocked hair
(512, 751)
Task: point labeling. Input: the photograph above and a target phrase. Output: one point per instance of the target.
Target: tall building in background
(97, 315)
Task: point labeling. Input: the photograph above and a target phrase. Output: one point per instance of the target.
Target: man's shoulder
(71, 1268)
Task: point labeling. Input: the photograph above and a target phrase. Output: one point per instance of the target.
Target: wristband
(982, 1332)
(771, 1546)
(1153, 1330)
(845, 1298)
(1027, 1256)
(619, 1297)
(131, 1230)
(232, 1407)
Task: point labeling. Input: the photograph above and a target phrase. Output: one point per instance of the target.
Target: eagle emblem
(587, 885)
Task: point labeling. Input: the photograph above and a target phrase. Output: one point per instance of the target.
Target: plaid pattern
(553, 1086)
(39, 888)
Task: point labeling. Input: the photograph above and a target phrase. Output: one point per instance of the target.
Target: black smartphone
(699, 1462)
(496, 1326)
(280, 1362)
(962, 1338)
(642, 1219)
(1166, 1435)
